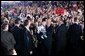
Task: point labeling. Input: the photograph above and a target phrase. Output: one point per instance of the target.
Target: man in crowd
(41, 34)
(7, 40)
(28, 40)
(74, 39)
(18, 35)
(61, 30)
(49, 33)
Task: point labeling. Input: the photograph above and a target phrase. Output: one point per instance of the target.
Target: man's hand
(14, 52)
(31, 52)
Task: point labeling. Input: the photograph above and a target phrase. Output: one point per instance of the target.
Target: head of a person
(17, 21)
(49, 20)
(5, 19)
(27, 23)
(58, 19)
(5, 26)
(62, 21)
(44, 21)
(76, 20)
(11, 22)
(29, 19)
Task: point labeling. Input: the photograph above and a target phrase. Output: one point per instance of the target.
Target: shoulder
(64, 25)
(13, 28)
(9, 33)
(23, 30)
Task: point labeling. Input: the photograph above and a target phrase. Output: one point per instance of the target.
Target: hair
(17, 21)
(49, 18)
(28, 18)
(44, 19)
(75, 19)
(3, 26)
(26, 22)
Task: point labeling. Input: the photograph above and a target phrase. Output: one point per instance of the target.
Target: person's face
(49, 21)
(19, 22)
(44, 23)
(36, 23)
(58, 19)
(29, 23)
(7, 27)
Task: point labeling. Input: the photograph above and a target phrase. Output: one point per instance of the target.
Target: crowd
(43, 28)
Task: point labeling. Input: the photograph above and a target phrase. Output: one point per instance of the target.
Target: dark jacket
(18, 35)
(74, 40)
(7, 41)
(48, 40)
(74, 33)
(28, 41)
(45, 44)
(61, 39)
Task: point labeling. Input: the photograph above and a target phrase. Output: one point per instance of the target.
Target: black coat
(48, 40)
(7, 42)
(74, 33)
(74, 39)
(18, 35)
(41, 50)
(61, 39)
(28, 41)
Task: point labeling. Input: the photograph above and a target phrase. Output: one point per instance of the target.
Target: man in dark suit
(18, 35)
(28, 40)
(48, 40)
(61, 30)
(40, 37)
(44, 36)
(74, 39)
(7, 40)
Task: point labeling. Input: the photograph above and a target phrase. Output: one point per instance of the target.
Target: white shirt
(27, 28)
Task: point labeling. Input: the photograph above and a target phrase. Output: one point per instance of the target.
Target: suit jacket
(74, 46)
(7, 40)
(48, 40)
(74, 33)
(61, 37)
(18, 35)
(28, 40)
